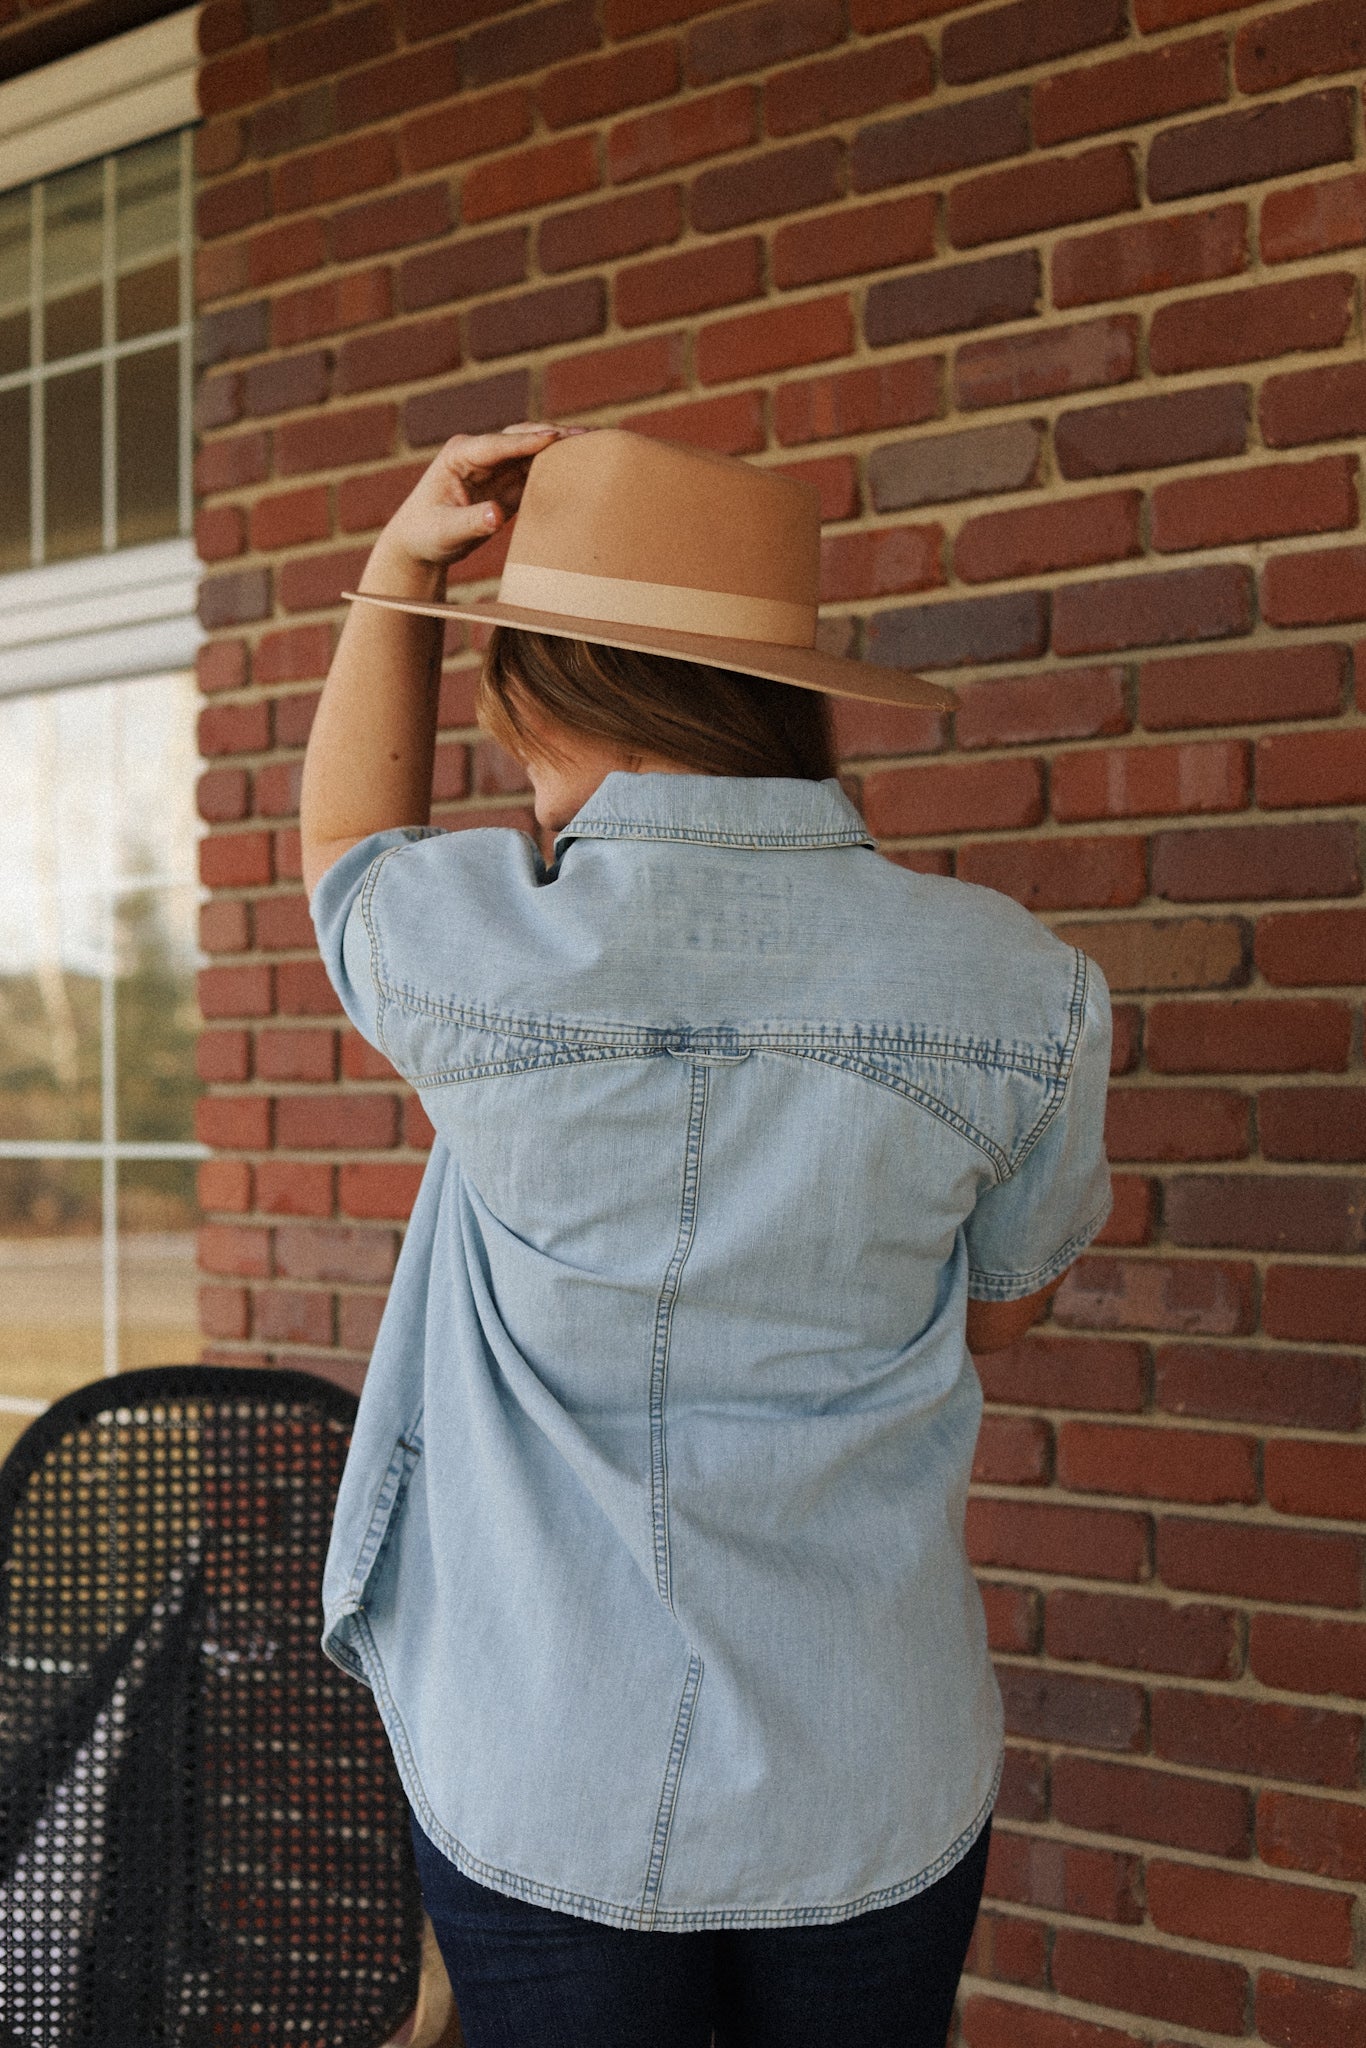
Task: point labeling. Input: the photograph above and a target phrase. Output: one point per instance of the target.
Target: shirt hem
(350, 1636)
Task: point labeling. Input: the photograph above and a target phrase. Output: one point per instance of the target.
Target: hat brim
(807, 667)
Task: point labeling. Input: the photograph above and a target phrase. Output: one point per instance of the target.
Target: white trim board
(103, 99)
(130, 613)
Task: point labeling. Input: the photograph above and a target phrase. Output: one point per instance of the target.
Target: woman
(650, 1543)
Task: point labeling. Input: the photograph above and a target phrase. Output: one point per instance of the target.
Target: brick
(1160, 1983)
(232, 331)
(224, 1311)
(235, 991)
(338, 303)
(778, 338)
(1009, 1948)
(358, 1320)
(835, 479)
(221, 665)
(1314, 405)
(1315, 1304)
(1023, 1793)
(1031, 540)
(733, 425)
(335, 1122)
(1300, 2012)
(1151, 15)
(224, 1185)
(378, 1190)
(1150, 255)
(1256, 1738)
(529, 42)
(287, 519)
(1133, 1212)
(291, 655)
(1056, 1371)
(289, 121)
(1070, 704)
(707, 126)
(1314, 41)
(413, 79)
(1045, 192)
(1298, 1389)
(1290, 1212)
(771, 183)
(950, 300)
(221, 268)
(1096, 1883)
(480, 406)
(294, 1315)
(337, 43)
(416, 351)
(1064, 873)
(1164, 953)
(334, 440)
(1170, 1124)
(938, 467)
(940, 140)
(1126, 782)
(1035, 1536)
(953, 796)
(612, 228)
(283, 924)
(218, 146)
(1157, 1464)
(1262, 503)
(858, 401)
(1012, 1450)
(1241, 326)
(286, 383)
(418, 213)
(1209, 603)
(463, 269)
(1024, 33)
(1303, 1922)
(217, 402)
(234, 600)
(289, 250)
(294, 1187)
(854, 241)
(223, 1056)
(609, 376)
(1185, 1639)
(1013, 369)
(537, 319)
(311, 1251)
(1126, 92)
(1144, 1804)
(1242, 148)
(1306, 1478)
(1251, 861)
(219, 533)
(1257, 1036)
(1011, 627)
(1307, 220)
(696, 281)
(1000, 2023)
(758, 37)
(366, 502)
(1326, 1836)
(1247, 686)
(1313, 1123)
(1298, 1655)
(532, 177)
(877, 563)
(1312, 768)
(339, 171)
(233, 1122)
(1258, 1562)
(314, 583)
(276, 786)
(1197, 1297)
(597, 86)
(1153, 433)
(1011, 1616)
(486, 122)
(1321, 586)
(225, 927)
(234, 80)
(636, 17)
(847, 86)
(296, 1055)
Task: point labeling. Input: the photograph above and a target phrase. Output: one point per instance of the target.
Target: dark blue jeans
(525, 1977)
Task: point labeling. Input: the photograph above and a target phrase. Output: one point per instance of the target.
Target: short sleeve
(1027, 1229)
(346, 938)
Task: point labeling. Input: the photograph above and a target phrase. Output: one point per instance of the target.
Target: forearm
(994, 1324)
(370, 751)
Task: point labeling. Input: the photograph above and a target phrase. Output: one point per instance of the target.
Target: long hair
(713, 721)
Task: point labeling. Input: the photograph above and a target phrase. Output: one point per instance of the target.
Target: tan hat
(638, 543)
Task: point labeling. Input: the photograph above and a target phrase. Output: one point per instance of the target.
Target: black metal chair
(203, 1841)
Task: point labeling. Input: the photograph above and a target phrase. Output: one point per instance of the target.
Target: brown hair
(714, 721)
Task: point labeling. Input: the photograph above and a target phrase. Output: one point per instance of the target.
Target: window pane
(16, 543)
(148, 237)
(51, 1287)
(49, 1056)
(149, 445)
(158, 1282)
(15, 212)
(73, 250)
(156, 1016)
(72, 474)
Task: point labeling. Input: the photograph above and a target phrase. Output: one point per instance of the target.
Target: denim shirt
(650, 1543)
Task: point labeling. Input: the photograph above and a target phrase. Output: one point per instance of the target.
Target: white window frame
(127, 612)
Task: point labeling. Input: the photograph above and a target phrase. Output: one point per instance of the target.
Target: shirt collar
(719, 810)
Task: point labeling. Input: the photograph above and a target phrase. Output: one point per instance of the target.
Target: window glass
(148, 416)
(16, 536)
(147, 237)
(16, 209)
(73, 262)
(72, 475)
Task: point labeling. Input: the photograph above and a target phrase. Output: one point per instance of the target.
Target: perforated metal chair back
(202, 1836)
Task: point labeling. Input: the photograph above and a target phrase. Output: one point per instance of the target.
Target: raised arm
(369, 758)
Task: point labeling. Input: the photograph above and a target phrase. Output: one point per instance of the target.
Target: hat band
(673, 606)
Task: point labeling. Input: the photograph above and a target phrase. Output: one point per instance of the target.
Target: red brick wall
(1059, 303)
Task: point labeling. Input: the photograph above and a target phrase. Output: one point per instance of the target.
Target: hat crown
(700, 528)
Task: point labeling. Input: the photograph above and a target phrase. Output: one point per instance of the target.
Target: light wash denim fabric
(650, 1542)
